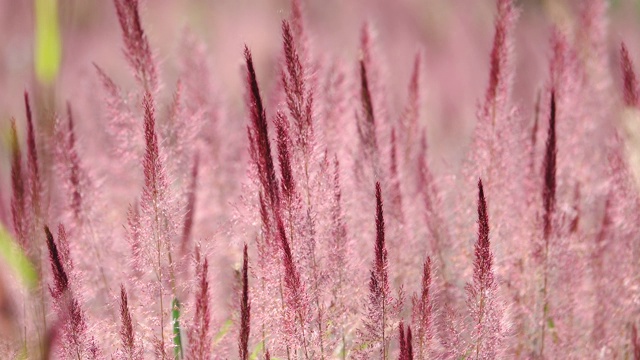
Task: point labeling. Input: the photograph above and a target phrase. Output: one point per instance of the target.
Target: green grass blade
(48, 43)
(224, 329)
(256, 350)
(177, 338)
(13, 256)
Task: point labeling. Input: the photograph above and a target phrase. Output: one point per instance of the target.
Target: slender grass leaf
(256, 350)
(13, 256)
(224, 329)
(48, 43)
(177, 339)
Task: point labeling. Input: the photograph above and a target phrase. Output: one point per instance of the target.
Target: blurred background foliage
(89, 31)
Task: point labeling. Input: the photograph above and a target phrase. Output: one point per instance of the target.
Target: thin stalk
(304, 337)
(41, 333)
(98, 256)
(384, 314)
(545, 304)
(282, 302)
(162, 322)
(24, 326)
(313, 258)
(78, 357)
(264, 337)
(478, 341)
(318, 305)
(159, 270)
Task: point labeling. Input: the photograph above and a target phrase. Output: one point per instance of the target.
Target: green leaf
(224, 329)
(343, 351)
(13, 256)
(177, 339)
(552, 330)
(256, 350)
(48, 43)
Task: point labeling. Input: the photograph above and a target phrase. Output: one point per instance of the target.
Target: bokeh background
(455, 36)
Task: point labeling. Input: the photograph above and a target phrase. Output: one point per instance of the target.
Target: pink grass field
(319, 179)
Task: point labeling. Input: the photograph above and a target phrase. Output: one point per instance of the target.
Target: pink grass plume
(629, 77)
(136, 45)
(199, 333)
(482, 293)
